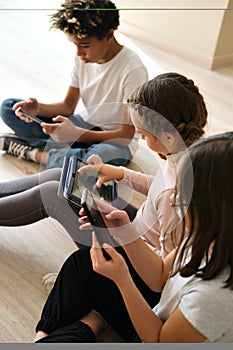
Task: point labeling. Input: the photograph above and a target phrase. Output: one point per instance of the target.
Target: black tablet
(72, 183)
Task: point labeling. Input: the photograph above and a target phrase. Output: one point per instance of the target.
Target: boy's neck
(113, 50)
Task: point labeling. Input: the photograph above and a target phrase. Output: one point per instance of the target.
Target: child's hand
(107, 172)
(30, 106)
(95, 159)
(117, 222)
(63, 130)
(116, 269)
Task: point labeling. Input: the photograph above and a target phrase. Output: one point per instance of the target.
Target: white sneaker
(49, 280)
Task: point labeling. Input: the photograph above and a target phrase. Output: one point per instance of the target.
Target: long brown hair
(210, 213)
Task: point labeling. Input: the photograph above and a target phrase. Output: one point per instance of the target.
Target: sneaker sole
(14, 136)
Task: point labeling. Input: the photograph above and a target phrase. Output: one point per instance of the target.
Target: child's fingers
(95, 242)
(59, 118)
(112, 252)
(85, 226)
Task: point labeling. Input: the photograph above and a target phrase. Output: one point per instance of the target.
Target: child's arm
(143, 259)
(141, 182)
(65, 107)
(106, 172)
(60, 132)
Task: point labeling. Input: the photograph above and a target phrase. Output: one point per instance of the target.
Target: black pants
(78, 289)
(77, 332)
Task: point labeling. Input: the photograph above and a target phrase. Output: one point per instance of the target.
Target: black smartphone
(96, 220)
(35, 119)
(76, 182)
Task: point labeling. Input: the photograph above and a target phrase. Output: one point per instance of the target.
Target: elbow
(154, 337)
(127, 137)
(70, 111)
(130, 133)
(69, 108)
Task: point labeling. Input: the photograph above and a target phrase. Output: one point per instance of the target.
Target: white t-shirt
(205, 304)
(104, 87)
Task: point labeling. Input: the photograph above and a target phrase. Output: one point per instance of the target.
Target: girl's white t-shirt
(205, 304)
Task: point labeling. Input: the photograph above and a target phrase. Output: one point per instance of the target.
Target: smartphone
(96, 220)
(35, 119)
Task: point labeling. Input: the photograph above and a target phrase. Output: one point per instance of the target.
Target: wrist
(82, 135)
(124, 283)
(120, 174)
(39, 109)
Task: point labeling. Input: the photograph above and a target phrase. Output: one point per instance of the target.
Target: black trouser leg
(77, 332)
(78, 289)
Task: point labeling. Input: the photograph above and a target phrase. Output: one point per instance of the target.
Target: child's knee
(7, 112)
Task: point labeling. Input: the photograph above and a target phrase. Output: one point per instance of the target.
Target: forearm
(65, 107)
(148, 264)
(117, 136)
(146, 323)
(54, 109)
(141, 182)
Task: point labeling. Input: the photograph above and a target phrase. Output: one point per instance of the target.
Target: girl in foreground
(196, 279)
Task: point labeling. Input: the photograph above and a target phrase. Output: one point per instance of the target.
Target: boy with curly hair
(104, 73)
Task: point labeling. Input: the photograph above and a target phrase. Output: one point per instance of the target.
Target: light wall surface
(197, 30)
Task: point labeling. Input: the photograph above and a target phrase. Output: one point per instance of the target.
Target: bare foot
(39, 335)
(94, 320)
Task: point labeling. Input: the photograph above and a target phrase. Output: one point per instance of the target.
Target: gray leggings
(32, 198)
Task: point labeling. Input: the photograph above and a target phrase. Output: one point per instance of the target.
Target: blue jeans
(33, 135)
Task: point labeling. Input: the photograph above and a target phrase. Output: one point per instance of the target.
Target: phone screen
(95, 218)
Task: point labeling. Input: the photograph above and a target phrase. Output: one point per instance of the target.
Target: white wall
(224, 48)
(189, 28)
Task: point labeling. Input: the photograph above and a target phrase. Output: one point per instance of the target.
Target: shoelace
(17, 149)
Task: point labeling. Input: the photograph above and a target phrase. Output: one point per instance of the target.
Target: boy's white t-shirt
(105, 87)
(205, 304)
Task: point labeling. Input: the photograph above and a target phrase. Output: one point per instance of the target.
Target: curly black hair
(86, 18)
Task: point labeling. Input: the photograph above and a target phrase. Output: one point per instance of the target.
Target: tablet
(72, 183)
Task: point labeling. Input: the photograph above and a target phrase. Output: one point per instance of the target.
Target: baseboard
(222, 61)
(177, 49)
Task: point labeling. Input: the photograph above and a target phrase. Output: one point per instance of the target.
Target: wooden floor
(35, 62)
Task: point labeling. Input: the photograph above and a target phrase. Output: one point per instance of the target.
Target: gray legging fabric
(32, 198)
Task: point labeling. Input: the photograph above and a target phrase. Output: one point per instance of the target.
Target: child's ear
(110, 34)
(169, 138)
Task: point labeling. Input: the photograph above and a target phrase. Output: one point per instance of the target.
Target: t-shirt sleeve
(141, 182)
(207, 309)
(135, 78)
(75, 73)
